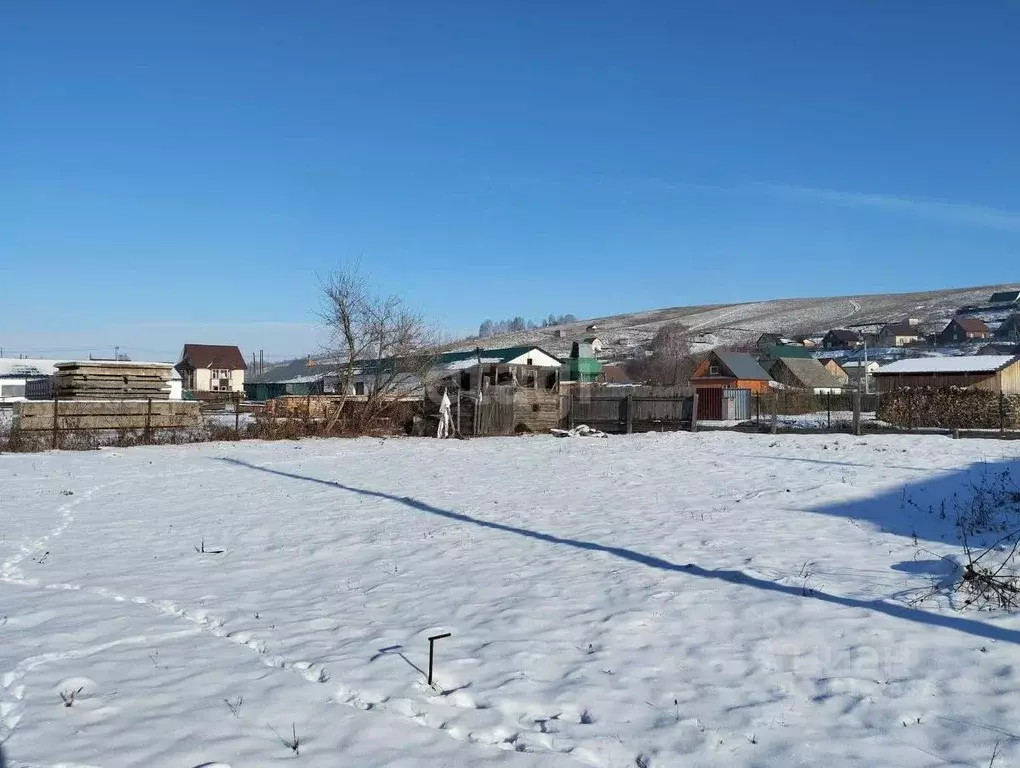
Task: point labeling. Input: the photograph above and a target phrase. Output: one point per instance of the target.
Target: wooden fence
(631, 409)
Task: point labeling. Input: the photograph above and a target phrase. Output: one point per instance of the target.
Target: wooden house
(962, 329)
(833, 367)
(841, 338)
(730, 370)
(991, 373)
(899, 334)
(1009, 329)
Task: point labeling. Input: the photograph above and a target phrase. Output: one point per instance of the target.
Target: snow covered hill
(658, 600)
(717, 325)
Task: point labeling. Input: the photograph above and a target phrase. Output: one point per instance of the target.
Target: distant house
(961, 329)
(1001, 348)
(211, 368)
(804, 373)
(841, 338)
(1009, 330)
(833, 367)
(858, 370)
(990, 373)
(735, 370)
(767, 340)
(595, 343)
(1005, 297)
(899, 334)
(24, 379)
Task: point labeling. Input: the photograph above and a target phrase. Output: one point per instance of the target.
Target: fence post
(1002, 412)
(828, 409)
(148, 420)
(775, 414)
(630, 414)
(570, 404)
(857, 409)
(237, 415)
(757, 407)
(458, 411)
(56, 407)
(694, 412)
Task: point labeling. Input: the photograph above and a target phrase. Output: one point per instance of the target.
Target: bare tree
(670, 361)
(380, 339)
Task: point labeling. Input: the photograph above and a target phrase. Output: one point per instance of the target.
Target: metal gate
(717, 404)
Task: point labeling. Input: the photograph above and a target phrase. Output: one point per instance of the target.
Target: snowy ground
(657, 600)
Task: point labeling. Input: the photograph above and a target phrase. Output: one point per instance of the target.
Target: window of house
(713, 370)
(529, 361)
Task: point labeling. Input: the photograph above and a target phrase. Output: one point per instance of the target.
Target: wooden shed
(991, 373)
(730, 370)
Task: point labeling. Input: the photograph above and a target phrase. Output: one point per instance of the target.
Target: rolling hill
(724, 324)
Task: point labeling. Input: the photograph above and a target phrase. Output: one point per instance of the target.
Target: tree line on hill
(516, 324)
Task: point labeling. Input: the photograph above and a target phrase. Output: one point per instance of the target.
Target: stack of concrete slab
(112, 380)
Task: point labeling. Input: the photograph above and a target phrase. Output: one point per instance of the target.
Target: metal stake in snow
(432, 645)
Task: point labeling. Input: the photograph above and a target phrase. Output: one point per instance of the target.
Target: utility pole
(865, 365)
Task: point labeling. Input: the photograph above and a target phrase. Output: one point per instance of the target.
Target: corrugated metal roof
(782, 351)
(962, 364)
(742, 366)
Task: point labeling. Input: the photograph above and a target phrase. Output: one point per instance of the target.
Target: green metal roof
(780, 351)
(502, 354)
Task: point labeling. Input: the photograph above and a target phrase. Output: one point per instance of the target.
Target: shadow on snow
(958, 623)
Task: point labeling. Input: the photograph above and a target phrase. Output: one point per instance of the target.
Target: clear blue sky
(182, 171)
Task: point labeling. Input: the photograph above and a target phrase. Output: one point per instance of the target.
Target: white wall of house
(209, 380)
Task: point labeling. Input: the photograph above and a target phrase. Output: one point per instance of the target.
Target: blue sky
(183, 171)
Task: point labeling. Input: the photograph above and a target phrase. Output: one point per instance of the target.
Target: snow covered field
(657, 600)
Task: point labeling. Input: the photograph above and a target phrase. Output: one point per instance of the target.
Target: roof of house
(775, 351)
(212, 356)
(809, 372)
(858, 364)
(741, 365)
(971, 324)
(961, 364)
(1000, 348)
(901, 329)
(844, 334)
(1004, 297)
(454, 360)
(1010, 323)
